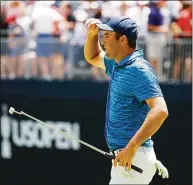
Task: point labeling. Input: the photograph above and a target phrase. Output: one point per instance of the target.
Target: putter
(12, 110)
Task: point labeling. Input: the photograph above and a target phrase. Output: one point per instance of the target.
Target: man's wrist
(132, 143)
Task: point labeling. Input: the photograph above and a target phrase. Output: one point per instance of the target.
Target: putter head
(11, 110)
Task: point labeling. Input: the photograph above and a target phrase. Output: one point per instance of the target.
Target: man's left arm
(154, 119)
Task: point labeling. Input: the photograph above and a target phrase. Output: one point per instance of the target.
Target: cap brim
(104, 27)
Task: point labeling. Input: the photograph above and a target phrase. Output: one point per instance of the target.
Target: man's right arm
(92, 50)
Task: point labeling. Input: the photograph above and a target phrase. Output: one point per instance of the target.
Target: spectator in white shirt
(44, 17)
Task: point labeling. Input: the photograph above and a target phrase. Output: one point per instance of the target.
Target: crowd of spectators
(45, 39)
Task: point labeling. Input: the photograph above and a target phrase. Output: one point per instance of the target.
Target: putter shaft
(70, 136)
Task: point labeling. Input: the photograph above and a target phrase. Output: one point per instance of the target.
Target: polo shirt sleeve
(109, 64)
(145, 85)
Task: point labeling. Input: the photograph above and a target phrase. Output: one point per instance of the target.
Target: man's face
(111, 44)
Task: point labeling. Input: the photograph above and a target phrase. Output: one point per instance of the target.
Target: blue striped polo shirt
(132, 82)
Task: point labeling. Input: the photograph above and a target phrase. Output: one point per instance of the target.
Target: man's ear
(123, 38)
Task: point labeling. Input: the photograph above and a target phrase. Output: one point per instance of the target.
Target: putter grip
(132, 166)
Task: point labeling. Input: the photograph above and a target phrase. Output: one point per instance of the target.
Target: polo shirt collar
(130, 57)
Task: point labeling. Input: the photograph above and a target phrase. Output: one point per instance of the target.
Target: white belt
(140, 149)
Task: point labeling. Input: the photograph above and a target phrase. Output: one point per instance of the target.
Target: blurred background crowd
(45, 39)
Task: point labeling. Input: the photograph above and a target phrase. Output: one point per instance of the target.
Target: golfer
(136, 108)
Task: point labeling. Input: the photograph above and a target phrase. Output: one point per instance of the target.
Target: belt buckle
(115, 152)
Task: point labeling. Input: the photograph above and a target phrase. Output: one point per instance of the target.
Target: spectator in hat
(17, 48)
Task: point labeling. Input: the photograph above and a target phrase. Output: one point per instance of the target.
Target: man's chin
(108, 55)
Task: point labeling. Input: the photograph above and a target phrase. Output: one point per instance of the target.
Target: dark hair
(131, 44)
